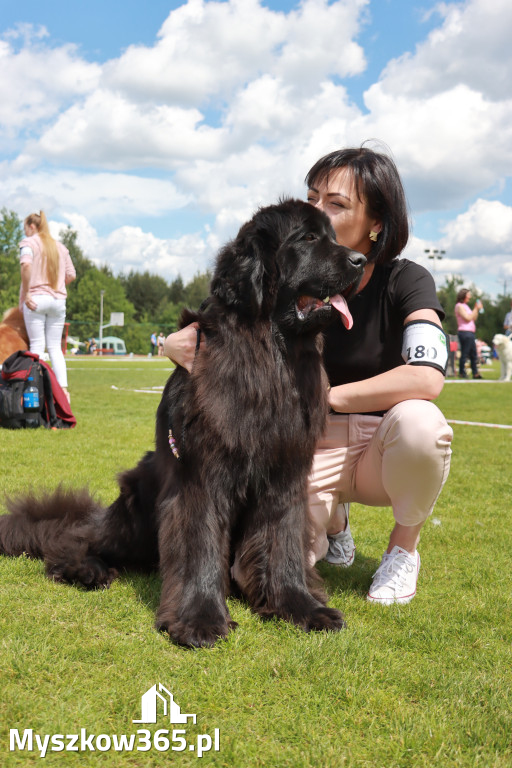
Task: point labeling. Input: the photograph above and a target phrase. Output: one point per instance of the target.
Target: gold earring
(373, 235)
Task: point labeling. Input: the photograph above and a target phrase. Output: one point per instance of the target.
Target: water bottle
(31, 404)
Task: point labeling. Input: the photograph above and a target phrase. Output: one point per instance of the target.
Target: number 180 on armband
(425, 343)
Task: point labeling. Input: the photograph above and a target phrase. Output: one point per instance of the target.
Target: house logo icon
(153, 698)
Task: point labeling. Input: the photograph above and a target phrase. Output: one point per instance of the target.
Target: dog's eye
(310, 237)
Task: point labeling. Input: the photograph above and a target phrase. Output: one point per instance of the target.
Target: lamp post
(100, 351)
(435, 255)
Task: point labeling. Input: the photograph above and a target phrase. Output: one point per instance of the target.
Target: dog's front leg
(193, 547)
(271, 568)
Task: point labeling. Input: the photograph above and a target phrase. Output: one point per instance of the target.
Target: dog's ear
(247, 272)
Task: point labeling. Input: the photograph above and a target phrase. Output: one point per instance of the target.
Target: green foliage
(488, 323)
(11, 232)
(197, 290)
(177, 291)
(447, 296)
(82, 264)
(146, 292)
(84, 302)
(426, 685)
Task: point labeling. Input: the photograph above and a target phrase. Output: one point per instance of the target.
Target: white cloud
(110, 132)
(476, 245)
(320, 43)
(471, 47)
(94, 195)
(446, 109)
(130, 248)
(38, 80)
(485, 228)
(248, 76)
(233, 103)
(204, 50)
(210, 49)
(449, 146)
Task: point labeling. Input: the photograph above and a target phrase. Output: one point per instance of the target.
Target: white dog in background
(503, 345)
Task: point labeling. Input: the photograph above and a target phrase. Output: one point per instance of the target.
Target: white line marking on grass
(479, 424)
(148, 390)
(158, 391)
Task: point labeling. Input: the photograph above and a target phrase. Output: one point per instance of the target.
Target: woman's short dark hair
(378, 184)
(461, 296)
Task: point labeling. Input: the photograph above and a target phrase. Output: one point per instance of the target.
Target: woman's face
(337, 197)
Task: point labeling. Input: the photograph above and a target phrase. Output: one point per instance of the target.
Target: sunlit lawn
(428, 684)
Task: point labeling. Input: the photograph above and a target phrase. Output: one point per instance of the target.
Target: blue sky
(156, 129)
(103, 30)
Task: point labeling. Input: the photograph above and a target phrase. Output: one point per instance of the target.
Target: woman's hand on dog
(180, 347)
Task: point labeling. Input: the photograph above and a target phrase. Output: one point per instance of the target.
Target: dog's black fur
(246, 422)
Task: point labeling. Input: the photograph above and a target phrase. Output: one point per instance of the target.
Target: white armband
(26, 251)
(425, 343)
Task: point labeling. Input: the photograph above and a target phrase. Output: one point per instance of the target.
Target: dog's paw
(196, 635)
(311, 617)
(325, 618)
(92, 573)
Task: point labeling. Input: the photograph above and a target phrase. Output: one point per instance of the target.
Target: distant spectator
(161, 340)
(154, 343)
(466, 330)
(46, 269)
(507, 323)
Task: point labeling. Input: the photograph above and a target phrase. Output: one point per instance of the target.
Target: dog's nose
(357, 259)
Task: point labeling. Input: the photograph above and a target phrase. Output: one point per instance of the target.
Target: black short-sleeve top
(374, 344)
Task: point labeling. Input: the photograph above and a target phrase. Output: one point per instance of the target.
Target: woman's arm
(406, 382)
(466, 313)
(26, 273)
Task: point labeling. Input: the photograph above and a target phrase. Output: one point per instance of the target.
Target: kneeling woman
(386, 443)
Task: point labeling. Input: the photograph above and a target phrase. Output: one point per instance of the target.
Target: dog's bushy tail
(38, 526)
(82, 542)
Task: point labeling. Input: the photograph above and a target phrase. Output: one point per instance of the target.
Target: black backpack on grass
(54, 411)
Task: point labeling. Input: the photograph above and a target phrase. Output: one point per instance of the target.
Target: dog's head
(285, 264)
(500, 340)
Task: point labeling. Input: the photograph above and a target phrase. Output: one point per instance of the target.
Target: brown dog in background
(13, 334)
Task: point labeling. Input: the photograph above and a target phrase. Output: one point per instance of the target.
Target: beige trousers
(401, 459)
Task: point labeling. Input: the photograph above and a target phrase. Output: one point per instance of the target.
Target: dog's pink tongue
(339, 303)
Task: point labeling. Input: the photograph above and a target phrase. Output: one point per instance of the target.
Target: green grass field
(424, 685)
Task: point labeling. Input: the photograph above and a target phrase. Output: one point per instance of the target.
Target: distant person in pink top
(466, 331)
(46, 269)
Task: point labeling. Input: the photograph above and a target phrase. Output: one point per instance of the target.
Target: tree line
(151, 304)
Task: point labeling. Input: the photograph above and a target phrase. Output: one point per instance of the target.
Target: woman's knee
(419, 426)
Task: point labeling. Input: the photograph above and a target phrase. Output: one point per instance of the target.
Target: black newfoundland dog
(223, 495)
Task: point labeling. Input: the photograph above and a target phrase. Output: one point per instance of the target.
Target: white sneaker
(395, 579)
(341, 546)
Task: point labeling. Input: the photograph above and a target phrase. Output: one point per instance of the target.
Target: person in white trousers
(46, 269)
